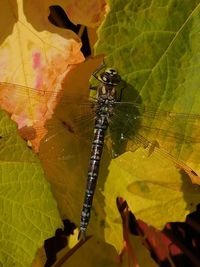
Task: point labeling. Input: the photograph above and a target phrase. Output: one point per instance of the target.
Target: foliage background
(155, 47)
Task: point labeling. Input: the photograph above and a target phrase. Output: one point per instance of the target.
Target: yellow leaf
(34, 53)
(155, 190)
(93, 252)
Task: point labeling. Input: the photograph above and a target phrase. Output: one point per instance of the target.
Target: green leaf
(155, 47)
(29, 213)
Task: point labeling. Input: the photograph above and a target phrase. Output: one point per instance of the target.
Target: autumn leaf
(37, 54)
(155, 191)
(155, 49)
(103, 254)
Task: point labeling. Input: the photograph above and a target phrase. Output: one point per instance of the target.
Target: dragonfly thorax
(105, 105)
(107, 91)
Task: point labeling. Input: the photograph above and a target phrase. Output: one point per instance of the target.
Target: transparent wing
(130, 130)
(32, 108)
(155, 113)
(12, 96)
(74, 119)
(131, 119)
(77, 115)
(151, 122)
(9, 92)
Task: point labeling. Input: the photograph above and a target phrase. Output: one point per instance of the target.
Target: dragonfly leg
(120, 95)
(121, 92)
(92, 87)
(102, 66)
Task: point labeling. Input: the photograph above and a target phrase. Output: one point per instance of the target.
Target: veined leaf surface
(29, 212)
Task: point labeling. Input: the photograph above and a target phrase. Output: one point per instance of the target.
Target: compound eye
(113, 71)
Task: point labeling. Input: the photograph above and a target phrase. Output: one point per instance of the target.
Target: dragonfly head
(110, 77)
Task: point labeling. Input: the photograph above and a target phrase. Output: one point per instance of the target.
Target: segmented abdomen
(101, 125)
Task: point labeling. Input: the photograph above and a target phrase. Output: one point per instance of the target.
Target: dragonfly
(121, 121)
(108, 104)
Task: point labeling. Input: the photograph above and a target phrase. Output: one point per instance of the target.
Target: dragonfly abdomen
(101, 125)
(106, 98)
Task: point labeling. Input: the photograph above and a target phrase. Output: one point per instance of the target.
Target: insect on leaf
(154, 47)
